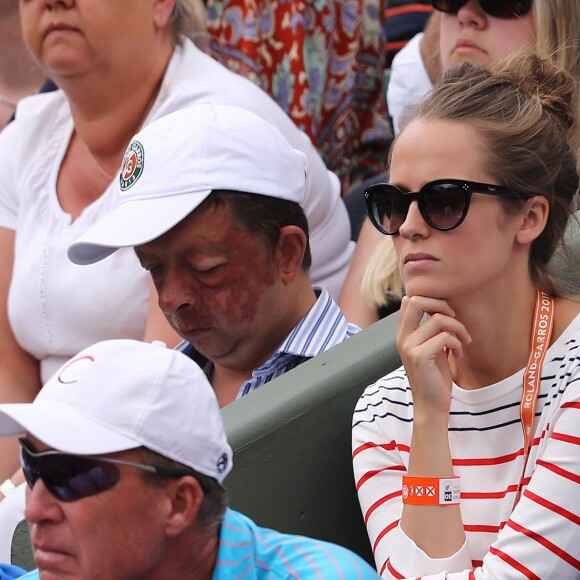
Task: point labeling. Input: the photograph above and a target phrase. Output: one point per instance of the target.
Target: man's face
(115, 535)
(220, 287)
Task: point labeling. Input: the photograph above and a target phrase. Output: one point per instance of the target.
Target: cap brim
(62, 427)
(133, 223)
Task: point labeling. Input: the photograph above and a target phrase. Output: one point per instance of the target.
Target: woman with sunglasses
(472, 31)
(467, 458)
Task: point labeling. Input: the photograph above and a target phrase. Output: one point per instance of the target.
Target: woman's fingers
(428, 332)
(441, 319)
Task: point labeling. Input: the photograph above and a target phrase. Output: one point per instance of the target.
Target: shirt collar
(323, 327)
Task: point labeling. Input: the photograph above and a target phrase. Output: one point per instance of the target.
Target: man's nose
(175, 292)
(41, 505)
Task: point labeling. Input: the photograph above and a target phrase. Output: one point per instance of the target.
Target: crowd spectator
(466, 458)
(468, 32)
(119, 66)
(125, 453)
(212, 207)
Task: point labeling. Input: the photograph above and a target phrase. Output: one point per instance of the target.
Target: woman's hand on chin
(425, 345)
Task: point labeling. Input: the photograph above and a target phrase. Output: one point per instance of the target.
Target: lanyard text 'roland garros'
(541, 334)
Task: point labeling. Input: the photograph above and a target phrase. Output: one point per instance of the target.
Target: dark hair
(523, 110)
(214, 504)
(263, 215)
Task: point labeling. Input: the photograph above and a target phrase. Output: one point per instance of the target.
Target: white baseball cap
(123, 394)
(174, 163)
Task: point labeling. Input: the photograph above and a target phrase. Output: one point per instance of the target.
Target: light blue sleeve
(8, 572)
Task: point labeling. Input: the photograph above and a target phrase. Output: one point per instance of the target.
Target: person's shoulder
(327, 560)
(45, 103)
(196, 77)
(8, 572)
(566, 324)
(283, 555)
(39, 118)
(206, 76)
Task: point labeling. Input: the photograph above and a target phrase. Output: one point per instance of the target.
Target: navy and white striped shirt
(323, 327)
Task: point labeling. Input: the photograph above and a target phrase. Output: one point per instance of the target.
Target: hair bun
(542, 80)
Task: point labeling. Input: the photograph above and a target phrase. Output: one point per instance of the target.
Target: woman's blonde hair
(189, 19)
(557, 33)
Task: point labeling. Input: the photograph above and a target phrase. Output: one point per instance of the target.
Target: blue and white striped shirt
(322, 328)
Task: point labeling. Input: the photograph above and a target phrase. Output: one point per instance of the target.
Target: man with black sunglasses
(124, 453)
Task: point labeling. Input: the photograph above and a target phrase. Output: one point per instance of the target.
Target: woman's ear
(534, 219)
(162, 10)
(290, 252)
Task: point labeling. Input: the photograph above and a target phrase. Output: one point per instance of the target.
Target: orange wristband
(430, 490)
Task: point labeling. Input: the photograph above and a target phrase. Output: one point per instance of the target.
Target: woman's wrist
(430, 420)
(7, 487)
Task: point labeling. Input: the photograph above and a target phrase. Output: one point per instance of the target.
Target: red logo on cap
(68, 377)
(129, 165)
(132, 165)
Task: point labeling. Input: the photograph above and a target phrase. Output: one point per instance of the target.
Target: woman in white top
(120, 65)
(467, 458)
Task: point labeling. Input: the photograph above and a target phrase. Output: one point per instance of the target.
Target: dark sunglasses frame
(496, 8)
(375, 192)
(58, 479)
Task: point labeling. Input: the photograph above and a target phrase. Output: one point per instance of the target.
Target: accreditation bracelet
(430, 490)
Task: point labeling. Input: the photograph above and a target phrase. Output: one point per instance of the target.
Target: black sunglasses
(443, 203)
(71, 477)
(497, 8)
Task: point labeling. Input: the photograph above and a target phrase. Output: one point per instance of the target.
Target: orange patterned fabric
(322, 61)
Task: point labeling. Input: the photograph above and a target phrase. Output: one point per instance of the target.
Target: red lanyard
(541, 334)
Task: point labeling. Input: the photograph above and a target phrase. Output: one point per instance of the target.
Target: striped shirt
(323, 327)
(540, 538)
(249, 552)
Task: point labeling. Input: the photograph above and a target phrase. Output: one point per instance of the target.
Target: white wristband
(7, 487)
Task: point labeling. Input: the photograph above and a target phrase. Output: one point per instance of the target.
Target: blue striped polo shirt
(249, 552)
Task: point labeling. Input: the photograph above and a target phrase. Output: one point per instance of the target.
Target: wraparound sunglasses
(71, 477)
(443, 203)
(497, 8)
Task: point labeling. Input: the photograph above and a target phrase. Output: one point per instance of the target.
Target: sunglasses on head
(72, 477)
(497, 8)
(443, 203)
